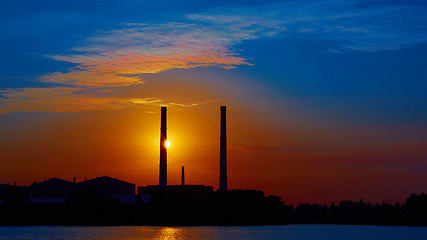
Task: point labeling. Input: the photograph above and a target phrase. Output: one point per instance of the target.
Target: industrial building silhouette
(110, 201)
(163, 191)
(56, 190)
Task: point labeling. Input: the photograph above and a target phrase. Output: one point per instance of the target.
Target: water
(290, 232)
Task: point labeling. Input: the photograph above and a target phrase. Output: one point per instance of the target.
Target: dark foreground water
(290, 232)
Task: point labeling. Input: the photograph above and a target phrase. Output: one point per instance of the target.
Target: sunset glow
(323, 98)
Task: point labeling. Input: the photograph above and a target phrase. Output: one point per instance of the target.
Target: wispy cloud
(355, 27)
(122, 55)
(64, 99)
(118, 57)
(74, 99)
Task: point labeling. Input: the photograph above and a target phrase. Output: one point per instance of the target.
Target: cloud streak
(356, 27)
(118, 57)
(65, 99)
(122, 55)
(74, 99)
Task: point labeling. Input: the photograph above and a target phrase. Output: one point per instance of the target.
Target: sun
(167, 144)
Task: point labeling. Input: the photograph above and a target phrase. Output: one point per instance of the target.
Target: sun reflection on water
(169, 233)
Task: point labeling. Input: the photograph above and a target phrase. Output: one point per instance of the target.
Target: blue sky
(345, 73)
(336, 37)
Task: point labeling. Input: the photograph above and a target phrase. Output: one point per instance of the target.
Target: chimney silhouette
(223, 185)
(163, 180)
(182, 176)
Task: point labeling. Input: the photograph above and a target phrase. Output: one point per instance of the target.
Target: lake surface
(289, 232)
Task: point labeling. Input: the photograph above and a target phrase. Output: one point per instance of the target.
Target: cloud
(119, 56)
(122, 55)
(65, 99)
(74, 99)
(355, 26)
(89, 78)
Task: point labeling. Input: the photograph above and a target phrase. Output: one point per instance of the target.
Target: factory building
(151, 193)
(57, 190)
(54, 190)
(107, 186)
(223, 183)
(3, 189)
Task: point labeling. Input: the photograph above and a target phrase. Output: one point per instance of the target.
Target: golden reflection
(169, 233)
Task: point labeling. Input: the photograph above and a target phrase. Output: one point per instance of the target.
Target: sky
(326, 99)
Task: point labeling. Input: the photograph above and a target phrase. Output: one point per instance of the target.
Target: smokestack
(163, 182)
(74, 180)
(182, 176)
(223, 151)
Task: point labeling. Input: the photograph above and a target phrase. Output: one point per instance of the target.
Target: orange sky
(326, 99)
(266, 149)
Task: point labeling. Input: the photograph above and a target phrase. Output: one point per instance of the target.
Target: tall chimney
(163, 180)
(223, 151)
(182, 176)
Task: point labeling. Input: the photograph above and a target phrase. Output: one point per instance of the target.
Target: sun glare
(167, 144)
